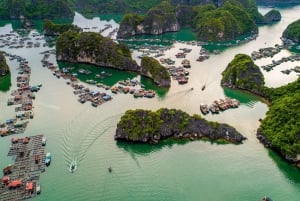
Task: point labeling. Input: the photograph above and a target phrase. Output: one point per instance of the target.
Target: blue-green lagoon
(188, 171)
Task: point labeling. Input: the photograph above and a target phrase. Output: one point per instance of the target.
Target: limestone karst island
(150, 100)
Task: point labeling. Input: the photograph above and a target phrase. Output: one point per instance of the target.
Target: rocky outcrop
(151, 68)
(51, 29)
(92, 48)
(292, 32)
(144, 126)
(4, 69)
(242, 73)
(184, 14)
(158, 20)
(279, 130)
(272, 16)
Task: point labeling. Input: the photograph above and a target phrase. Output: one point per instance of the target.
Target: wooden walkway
(25, 168)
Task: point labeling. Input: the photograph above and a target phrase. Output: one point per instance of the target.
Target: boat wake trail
(81, 133)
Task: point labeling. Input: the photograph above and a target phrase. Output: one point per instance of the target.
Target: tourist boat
(48, 159)
(44, 141)
(204, 109)
(73, 166)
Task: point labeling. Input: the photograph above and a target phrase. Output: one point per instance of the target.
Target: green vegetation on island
(272, 16)
(280, 129)
(212, 21)
(36, 9)
(90, 7)
(243, 74)
(90, 47)
(292, 32)
(51, 29)
(150, 67)
(144, 126)
(223, 23)
(158, 20)
(5, 80)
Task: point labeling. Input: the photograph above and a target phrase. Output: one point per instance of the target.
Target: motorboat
(48, 159)
(73, 166)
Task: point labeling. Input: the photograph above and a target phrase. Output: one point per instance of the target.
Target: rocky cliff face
(144, 126)
(243, 74)
(158, 20)
(88, 47)
(272, 16)
(92, 48)
(4, 69)
(151, 68)
(51, 29)
(292, 32)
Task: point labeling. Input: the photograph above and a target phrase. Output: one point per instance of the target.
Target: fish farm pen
(20, 181)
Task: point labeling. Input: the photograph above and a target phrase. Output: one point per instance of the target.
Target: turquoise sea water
(171, 171)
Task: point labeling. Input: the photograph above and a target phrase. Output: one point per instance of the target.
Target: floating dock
(20, 180)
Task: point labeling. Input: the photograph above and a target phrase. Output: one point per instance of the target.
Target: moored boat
(48, 159)
(44, 141)
(204, 109)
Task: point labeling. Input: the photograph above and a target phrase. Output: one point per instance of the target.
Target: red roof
(29, 186)
(15, 183)
(5, 179)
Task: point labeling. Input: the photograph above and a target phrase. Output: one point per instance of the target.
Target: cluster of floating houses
(22, 99)
(270, 52)
(219, 105)
(275, 63)
(132, 87)
(266, 52)
(14, 41)
(203, 55)
(84, 93)
(20, 181)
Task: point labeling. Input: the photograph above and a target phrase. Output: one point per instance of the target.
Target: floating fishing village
(21, 180)
(193, 70)
(22, 98)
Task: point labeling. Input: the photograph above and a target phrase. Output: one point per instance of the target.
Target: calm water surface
(172, 171)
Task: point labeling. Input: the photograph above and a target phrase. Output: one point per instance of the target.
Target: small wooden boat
(109, 169)
(203, 87)
(73, 166)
